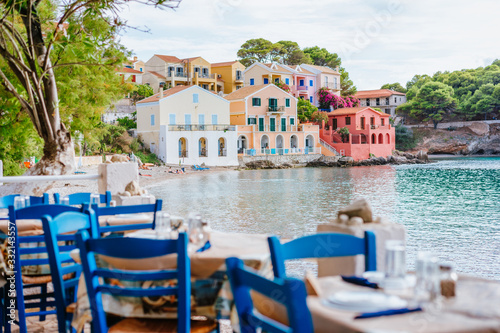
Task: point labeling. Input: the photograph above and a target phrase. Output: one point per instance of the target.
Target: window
(273, 104)
(362, 122)
(214, 119)
(283, 124)
(372, 121)
(287, 102)
(326, 81)
(205, 86)
(252, 82)
(301, 83)
(239, 76)
(195, 98)
(256, 101)
(387, 101)
(171, 119)
(187, 119)
(261, 124)
(201, 119)
(334, 123)
(311, 83)
(395, 99)
(377, 101)
(140, 69)
(152, 120)
(272, 124)
(367, 102)
(292, 121)
(252, 121)
(311, 99)
(277, 80)
(348, 120)
(205, 72)
(197, 69)
(335, 83)
(238, 87)
(287, 81)
(382, 121)
(266, 81)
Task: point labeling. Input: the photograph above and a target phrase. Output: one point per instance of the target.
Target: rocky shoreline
(326, 161)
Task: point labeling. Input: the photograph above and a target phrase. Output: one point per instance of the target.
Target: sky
(378, 41)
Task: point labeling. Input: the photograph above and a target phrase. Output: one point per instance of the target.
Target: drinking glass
(19, 202)
(27, 201)
(95, 199)
(395, 263)
(162, 225)
(65, 201)
(112, 203)
(195, 228)
(427, 272)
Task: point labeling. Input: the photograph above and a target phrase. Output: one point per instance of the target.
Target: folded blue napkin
(360, 281)
(204, 247)
(387, 313)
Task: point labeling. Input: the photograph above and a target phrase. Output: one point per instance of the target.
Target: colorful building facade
(326, 77)
(188, 125)
(267, 123)
(384, 99)
(230, 74)
(370, 133)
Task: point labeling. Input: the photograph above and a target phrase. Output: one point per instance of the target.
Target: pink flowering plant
(326, 99)
(282, 85)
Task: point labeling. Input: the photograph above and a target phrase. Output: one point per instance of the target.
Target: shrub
(405, 139)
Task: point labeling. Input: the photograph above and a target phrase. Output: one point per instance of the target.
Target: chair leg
(21, 310)
(43, 301)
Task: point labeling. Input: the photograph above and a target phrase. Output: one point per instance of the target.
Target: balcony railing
(276, 109)
(239, 78)
(206, 76)
(201, 128)
(179, 74)
(267, 128)
(302, 88)
(333, 86)
(280, 151)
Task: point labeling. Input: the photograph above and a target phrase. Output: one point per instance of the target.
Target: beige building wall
(147, 132)
(228, 74)
(258, 73)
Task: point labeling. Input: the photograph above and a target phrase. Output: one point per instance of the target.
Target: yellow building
(231, 75)
(169, 71)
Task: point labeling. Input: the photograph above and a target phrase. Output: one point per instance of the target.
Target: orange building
(370, 133)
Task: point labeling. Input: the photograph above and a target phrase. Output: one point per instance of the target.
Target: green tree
(321, 57)
(127, 122)
(432, 102)
(32, 45)
(305, 110)
(486, 100)
(141, 91)
(346, 85)
(405, 140)
(291, 54)
(394, 86)
(259, 50)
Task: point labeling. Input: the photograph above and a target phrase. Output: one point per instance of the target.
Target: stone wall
(456, 124)
(302, 159)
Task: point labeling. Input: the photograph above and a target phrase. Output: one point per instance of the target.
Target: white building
(385, 99)
(188, 125)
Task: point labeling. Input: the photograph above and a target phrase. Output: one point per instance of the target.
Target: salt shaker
(448, 279)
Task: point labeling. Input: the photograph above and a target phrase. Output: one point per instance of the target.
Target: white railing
(328, 146)
(281, 151)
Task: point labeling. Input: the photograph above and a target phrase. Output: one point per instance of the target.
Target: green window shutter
(287, 101)
(292, 121)
(261, 124)
(283, 124)
(272, 124)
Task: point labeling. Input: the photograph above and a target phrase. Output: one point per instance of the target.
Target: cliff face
(478, 139)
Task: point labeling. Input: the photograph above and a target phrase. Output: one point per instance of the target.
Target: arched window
(374, 139)
(242, 144)
(380, 139)
(183, 152)
(202, 147)
(388, 138)
(309, 144)
(222, 147)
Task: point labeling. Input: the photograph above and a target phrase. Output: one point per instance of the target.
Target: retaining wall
(280, 159)
(456, 124)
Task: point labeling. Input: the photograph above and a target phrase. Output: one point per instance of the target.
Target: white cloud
(379, 41)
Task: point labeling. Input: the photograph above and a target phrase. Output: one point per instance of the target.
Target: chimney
(160, 95)
(135, 58)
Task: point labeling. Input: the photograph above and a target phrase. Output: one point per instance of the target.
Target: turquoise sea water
(451, 207)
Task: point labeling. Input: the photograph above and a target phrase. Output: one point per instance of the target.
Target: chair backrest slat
(135, 248)
(322, 245)
(289, 292)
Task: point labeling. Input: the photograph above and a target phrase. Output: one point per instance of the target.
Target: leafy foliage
(321, 57)
(347, 87)
(326, 99)
(344, 134)
(127, 122)
(282, 85)
(431, 103)
(405, 139)
(394, 86)
(141, 91)
(305, 110)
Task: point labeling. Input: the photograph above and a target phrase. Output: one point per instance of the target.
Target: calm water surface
(451, 207)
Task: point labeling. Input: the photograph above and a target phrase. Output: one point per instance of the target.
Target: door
(283, 124)
(272, 123)
(273, 104)
(261, 124)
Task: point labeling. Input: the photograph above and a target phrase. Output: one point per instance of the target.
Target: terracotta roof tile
(357, 109)
(324, 69)
(377, 93)
(129, 70)
(244, 92)
(221, 64)
(166, 93)
(157, 74)
(190, 59)
(167, 58)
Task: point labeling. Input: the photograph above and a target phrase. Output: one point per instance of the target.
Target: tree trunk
(435, 124)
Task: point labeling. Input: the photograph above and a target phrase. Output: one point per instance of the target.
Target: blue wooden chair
(8, 200)
(84, 197)
(132, 209)
(289, 292)
(65, 278)
(137, 248)
(322, 245)
(37, 300)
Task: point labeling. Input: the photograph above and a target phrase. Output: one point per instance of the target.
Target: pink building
(370, 133)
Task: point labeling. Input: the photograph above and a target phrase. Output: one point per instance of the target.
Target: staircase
(327, 149)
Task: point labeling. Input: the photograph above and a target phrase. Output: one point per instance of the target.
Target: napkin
(387, 313)
(204, 247)
(360, 281)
